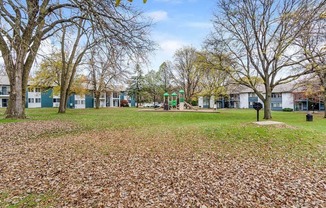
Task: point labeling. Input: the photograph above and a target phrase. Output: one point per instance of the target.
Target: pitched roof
(4, 80)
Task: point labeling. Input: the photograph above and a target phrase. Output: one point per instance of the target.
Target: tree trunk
(154, 100)
(63, 99)
(16, 105)
(325, 102)
(97, 99)
(267, 105)
(63, 102)
(137, 99)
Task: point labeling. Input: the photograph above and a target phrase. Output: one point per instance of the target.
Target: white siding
(102, 100)
(244, 100)
(34, 99)
(212, 102)
(287, 100)
(79, 101)
(111, 99)
(201, 101)
(56, 104)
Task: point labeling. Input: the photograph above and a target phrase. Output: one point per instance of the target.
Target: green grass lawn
(227, 124)
(233, 127)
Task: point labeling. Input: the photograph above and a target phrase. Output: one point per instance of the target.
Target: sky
(177, 23)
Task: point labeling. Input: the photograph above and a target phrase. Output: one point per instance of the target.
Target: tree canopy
(259, 38)
(25, 24)
(117, 2)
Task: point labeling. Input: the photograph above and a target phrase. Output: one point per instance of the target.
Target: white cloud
(158, 16)
(170, 46)
(167, 48)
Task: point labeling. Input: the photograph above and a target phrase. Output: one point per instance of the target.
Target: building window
(252, 94)
(31, 100)
(276, 95)
(4, 103)
(82, 102)
(234, 97)
(78, 102)
(37, 100)
(56, 100)
(37, 89)
(276, 105)
(115, 95)
(4, 90)
(30, 89)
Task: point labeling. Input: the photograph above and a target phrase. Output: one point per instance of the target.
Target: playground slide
(190, 106)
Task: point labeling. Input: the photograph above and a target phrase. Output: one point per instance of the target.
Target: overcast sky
(177, 23)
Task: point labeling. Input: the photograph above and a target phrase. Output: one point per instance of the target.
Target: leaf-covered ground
(48, 163)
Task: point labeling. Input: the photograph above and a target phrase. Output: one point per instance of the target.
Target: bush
(194, 103)
(287, 109)
(124, 103)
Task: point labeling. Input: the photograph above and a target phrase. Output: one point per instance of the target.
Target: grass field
(125, 158)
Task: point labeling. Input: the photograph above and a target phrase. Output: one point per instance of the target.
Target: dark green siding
(132, 102)
(122, 94)
(71, 101)
(26, 99)
(89, 101)
(47, 98)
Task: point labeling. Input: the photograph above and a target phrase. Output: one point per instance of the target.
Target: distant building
(283, 96)
(4, 91)
(37, 97)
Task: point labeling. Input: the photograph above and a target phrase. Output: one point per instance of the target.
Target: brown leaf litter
(122, 169)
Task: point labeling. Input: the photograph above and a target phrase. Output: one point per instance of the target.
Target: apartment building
(37, 97)
(283, 96)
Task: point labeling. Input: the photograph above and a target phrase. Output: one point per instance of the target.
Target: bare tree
(258, 36)
(106, 68)
(165, 76)
(71, 57)
(24, 24)
(313, 42)
(117, 2)
(187, 75)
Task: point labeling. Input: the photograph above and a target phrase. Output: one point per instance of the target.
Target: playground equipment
(181, 100)
(172, 101)
(166, 101)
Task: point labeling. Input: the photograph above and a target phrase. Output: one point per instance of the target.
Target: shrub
(287, 109)
(124, 103)
(194, 103)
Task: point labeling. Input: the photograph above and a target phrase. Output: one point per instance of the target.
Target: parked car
(148, 105)
(158, 105)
